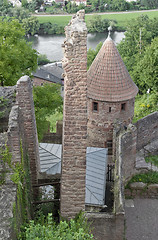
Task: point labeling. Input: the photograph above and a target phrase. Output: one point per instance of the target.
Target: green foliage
(150, 177)
(73, 230)
(3, 104)
(47, 100)
(17, 56)
(5, 162)
(131, 45)
(53, 119)
(20, 13)
(42, 59)
(91, 54)
(145, 72)
(152, 159)
(50, 28)
(139, 52)
(31, 25)
(99, 24)
(144, 105)
(5, 7)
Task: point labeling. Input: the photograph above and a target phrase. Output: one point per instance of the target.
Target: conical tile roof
(108, 78)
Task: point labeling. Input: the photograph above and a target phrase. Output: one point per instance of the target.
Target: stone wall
(147, 130)
(140, 189)
(100, 123)
(7, 194)
(26, 108)
(125, 149)
(21, 137)
(107, 226)
(7, 100)
(75, 117)
(127, 143)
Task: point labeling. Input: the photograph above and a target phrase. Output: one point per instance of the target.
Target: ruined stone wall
(75, 117)
(7, 100)
(28, 123)
(100, 123)
(147, 130)
(107, 226)
(7, 195)
(129, 142)
(125, 149)
(21, 137)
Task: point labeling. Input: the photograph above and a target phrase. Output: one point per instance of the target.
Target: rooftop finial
(109, 29)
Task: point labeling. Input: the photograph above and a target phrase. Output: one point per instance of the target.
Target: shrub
(42, 59)
(76, 229)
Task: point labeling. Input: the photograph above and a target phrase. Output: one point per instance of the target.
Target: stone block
(138, 185)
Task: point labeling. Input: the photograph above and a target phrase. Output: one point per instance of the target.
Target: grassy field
(122, 18)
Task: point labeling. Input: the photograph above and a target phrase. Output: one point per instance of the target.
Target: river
(50, 45)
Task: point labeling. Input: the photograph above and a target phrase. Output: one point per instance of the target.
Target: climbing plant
(19, 174)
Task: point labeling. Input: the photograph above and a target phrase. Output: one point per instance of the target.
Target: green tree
(47, 100)
(17, 57)
(139, 34)
(97, 24)
(145, 72)
(119, 5)
(91, 54)
(5, 7)
(20, 13)
(31, 25)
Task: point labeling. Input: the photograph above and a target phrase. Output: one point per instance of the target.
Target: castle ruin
(95, 115)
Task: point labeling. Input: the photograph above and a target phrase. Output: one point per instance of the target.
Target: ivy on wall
(20, 176)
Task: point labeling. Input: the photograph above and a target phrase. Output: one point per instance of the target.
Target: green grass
(150, 177)
(122, 18)
(60, 20)
(152, 159)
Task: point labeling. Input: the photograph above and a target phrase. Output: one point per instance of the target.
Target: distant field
(122, 18)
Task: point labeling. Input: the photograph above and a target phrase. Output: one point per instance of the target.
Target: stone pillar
(26, 109)
(75, 117)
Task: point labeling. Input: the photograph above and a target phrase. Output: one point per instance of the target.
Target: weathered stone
(75, 117)
(153, 186)
(138, 185)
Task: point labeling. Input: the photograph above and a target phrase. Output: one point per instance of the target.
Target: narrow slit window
(109, 146)
(123, 106)
(95, 107)
(109, 109)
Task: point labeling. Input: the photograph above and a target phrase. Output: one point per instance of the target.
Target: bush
(73, 230)
(42, 59)
(144, 105)
(49, 28)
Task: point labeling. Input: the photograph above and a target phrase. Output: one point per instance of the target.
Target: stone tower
(111, 95)
(75, 117)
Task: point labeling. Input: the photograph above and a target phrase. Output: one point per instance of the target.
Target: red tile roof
(108, 78)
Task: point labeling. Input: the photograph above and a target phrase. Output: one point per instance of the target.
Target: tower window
(123, 106)
(95, 106)
(109, 109)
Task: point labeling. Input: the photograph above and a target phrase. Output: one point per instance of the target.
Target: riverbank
(122, 18)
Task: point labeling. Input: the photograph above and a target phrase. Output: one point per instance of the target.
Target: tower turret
(111, 95)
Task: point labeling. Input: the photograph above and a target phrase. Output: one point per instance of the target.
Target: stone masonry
(101, 122)
(75, 117)
(26, 108)
(20, 134)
